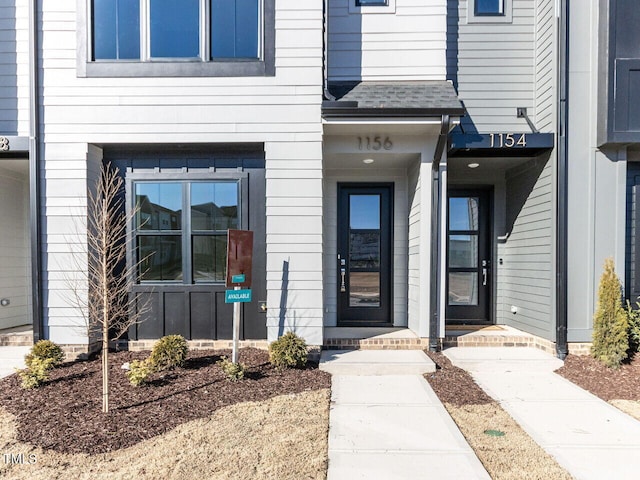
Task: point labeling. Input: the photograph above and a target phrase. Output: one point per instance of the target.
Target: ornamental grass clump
(610, 321)
(289, 351)
(168, 353)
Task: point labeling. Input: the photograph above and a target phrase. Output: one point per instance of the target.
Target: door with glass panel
(364, 261)
(468, 257)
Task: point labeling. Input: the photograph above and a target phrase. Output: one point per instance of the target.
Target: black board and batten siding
(197, 310)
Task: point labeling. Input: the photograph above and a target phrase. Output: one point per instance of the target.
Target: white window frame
(505, 17)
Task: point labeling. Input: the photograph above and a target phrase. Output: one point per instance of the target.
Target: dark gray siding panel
(632, 280)
(198, 311)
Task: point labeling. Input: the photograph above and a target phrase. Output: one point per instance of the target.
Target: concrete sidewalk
(12, 358)
(588, 437)
(387, 423)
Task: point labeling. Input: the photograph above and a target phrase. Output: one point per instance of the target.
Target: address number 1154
(508, 140)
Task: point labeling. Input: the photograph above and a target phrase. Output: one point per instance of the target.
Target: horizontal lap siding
(493, 67)
(281, 112)
(14, 67)
(525, 277)
(408, 44)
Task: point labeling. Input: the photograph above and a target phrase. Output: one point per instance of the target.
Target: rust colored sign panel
(239, 257)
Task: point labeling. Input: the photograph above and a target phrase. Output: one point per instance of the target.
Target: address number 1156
(374, 143)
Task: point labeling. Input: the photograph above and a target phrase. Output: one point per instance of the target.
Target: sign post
(239, 260)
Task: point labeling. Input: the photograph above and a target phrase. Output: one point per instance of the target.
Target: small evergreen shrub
(168, 353)
(289, 351)
(233, 371)
(634, 328)
(139, 372)
(43, 350)
(610, 321)
(36, 373)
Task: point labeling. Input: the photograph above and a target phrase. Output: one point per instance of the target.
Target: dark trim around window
(186, 232)
(122, 68)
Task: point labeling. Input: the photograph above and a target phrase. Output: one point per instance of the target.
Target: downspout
(435, 232)
(325, 54)
(34, 183)
(562, 183)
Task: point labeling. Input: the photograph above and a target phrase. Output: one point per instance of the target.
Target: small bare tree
(107, 278)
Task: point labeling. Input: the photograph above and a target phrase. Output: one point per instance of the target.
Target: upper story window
(176, 29)
(177, 38)
(489, 7)
(489, 11)
(366, 3)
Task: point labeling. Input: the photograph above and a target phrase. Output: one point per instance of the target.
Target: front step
(16, 337)
(376, 362)
(370, 338)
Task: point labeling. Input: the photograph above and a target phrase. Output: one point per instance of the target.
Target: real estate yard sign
(239, 260)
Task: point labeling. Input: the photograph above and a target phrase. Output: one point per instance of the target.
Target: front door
(468, 257)
(364, 265)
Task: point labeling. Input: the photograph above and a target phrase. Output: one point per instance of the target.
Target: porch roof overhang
(12, 146)
(372, 100)
(499, 144)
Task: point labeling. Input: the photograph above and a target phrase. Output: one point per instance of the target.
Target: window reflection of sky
(364, 211)
(175, 28)
(489, 6)
(167, 195)
(221, 194)
(463, 213)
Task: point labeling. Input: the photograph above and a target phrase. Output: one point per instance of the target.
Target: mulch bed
(65, 414)
(607, 383)
(454, 385)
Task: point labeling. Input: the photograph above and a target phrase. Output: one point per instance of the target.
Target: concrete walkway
(11, 358)
(387, 423)
(588, 437)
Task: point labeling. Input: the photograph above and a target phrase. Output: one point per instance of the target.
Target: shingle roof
(427, 96)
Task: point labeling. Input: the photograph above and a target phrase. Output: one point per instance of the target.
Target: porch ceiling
(380, 160)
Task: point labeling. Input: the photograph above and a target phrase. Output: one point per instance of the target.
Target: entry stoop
(16, 337)
(376, 362)
(371, 338)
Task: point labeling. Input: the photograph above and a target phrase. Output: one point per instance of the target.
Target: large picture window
(180, 229)
(203, 30)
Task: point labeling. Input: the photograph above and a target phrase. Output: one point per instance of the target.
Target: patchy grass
(284, 437)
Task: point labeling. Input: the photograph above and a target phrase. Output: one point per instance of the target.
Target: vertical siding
(545, 67)
(492, 66)
(526, 276)
(408, 44)
(632, 262)
(14, 67)
(281, 112)
(15, 253)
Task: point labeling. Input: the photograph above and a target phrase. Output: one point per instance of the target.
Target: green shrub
(289, 351)
(168, 353)
(45, 350)
(37, 372)
(139, 372)
(610, 321)
(634, 328)
(233, 371)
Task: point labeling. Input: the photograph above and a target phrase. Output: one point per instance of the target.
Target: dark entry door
(364, 254)
(468, 257)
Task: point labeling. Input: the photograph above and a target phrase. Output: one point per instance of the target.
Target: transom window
(489, 7)
(204, 30)
(180, 229)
